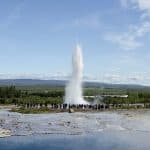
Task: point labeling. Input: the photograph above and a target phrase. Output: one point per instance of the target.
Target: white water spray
(74, 88)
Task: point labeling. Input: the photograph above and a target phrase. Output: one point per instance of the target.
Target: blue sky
(37, 39)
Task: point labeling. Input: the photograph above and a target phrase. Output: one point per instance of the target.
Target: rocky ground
(15, 124)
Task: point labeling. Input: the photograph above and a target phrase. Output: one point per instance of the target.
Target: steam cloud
(74, 88)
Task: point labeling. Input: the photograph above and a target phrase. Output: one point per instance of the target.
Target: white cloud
(138, 78)
(58, 75)
(111, 77)
(123, 40)
(143, 5)
(131, 39)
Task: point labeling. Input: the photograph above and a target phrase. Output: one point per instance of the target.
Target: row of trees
(133, 97)
(9, 92)
(12, 95)
(52, 93)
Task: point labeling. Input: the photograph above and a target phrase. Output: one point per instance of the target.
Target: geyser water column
(73, 94)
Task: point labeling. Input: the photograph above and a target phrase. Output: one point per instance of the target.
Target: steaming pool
(121, 130)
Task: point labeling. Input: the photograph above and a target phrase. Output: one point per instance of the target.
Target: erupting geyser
(74, 88)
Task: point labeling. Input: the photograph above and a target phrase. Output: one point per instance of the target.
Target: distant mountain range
(62, 83)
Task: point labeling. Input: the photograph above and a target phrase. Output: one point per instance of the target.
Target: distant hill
(32, 82)
(62, 83)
